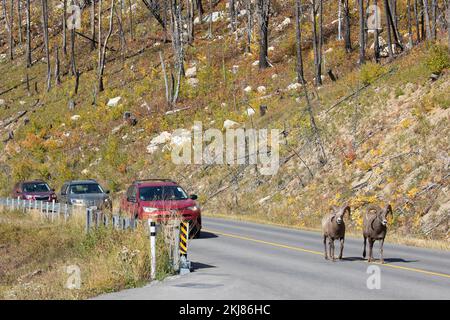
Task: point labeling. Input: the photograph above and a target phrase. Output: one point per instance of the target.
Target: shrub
(370, 72)
(438, 58)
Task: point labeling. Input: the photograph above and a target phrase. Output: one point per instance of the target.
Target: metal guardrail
(95, 218)
(49, 209)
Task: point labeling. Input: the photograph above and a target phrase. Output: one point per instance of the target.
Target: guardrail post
(152, 229)
(88, 219)
(185, 264)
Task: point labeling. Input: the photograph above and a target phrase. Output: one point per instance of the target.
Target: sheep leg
(371, 242)
(342, 248)
(381, 250)
(364, 252)
(325, 246)
(332, 248)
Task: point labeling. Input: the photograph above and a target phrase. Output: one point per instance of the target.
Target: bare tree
(263, 15)
(19, 19)
(362, 38)
(410, 36)
(200, 10)
(102, 61)
(46, 43)
(347, 38)
(28, 35)
(298, 27)
(153, 7)
(416, 18)
(93, 34)
(249, 9)
(64, 26)
(433, 18)
(177, 43)
(232, 8)
(316, 8)
(9, 26)
(190, 21)
(427, 18)
(448, 25)
(130, 17)
(57, 67)
(377, 33)
(388, 29)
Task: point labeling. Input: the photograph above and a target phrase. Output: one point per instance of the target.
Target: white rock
(248, 89)
(114, 102)
(75, 117)
(283, 25)
(191, 72)
(256, 63)
(193, 82)
(235, 69)
(261, 89)
(275, 76)
(181, 137)
(224, 105)
(250, 112)
(163, 138)
(228, 124)
(294, 86)
(271, 49)
(329, 50)
(261, 201)
(85, 172)
(2, 102)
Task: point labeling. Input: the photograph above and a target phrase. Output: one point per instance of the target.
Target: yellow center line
(279, 245)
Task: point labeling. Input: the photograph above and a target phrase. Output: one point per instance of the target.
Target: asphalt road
(240, 260)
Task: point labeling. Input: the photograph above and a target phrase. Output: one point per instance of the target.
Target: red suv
(34, 190)
(158, 199)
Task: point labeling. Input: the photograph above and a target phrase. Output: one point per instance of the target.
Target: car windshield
(162, 193)
(35, 187)
(85, 188)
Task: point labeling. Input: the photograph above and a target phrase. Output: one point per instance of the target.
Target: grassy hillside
(385, 128)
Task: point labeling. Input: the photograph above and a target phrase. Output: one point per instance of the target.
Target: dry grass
(36, 258)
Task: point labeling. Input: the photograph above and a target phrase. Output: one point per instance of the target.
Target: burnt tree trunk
(28, 35)
(57, 67)
(102, 62)
(249, 25)
(298, 27)
(362, 38)
(347, 38)
(426, 10)
(388, 29)
(93, 34)
(263, 14)
(410, 36)
(64, 26)
(46, 43)
(19, 19)
(416, 20)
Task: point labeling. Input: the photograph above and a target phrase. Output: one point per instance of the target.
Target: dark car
(88, 193)
(158, 199)
(34, 190)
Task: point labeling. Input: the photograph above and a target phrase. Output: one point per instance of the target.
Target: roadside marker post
(185, 264)
(152, 228)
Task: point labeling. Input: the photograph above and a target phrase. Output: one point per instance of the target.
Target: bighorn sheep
(375, 228)
(333, 227)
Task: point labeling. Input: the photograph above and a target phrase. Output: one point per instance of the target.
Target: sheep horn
(388, 210)
(345, 208)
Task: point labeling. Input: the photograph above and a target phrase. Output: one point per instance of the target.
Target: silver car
(88, 193)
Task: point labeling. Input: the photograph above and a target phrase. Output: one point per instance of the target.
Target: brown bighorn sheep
(375, 228)
(333, 227)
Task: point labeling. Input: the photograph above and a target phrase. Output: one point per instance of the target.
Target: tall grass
(38, 258)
